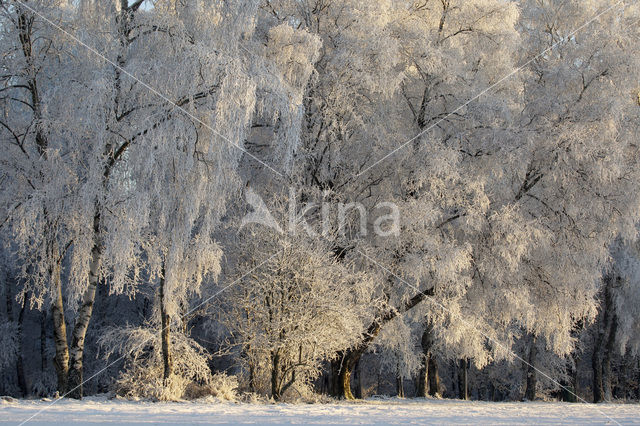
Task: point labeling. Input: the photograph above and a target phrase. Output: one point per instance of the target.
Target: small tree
(297, 307)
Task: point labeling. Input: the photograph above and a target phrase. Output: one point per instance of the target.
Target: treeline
(293, 198)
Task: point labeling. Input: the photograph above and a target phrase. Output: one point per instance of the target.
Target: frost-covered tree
(356, 67)
(397, 351)
(189, 174)
(39, 165)
(296, 308)
(539, 215)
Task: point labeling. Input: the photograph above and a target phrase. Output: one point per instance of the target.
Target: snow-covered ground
(389, 411)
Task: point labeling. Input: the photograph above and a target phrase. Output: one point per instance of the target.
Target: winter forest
(320, 200)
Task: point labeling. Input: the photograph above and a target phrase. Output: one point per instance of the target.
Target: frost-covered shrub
(143, 374)
(304, 392)
(221, 386)
(145, 381)
(224, 386)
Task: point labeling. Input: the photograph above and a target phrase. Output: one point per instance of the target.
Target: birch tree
(37, 169)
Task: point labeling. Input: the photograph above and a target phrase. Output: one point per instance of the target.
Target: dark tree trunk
(22, 382)
(399, 382)
(8, 294)
(606, 359)
(428, 379)
(165, 332)
(530, 390)
(422, 386)
(621, 390)
(334, 375)
(601, 353)
(400, 387)
(275, 371)
(252, 376)
(358, 371)
(463, 390)
(596, 367)
(434, 377)
(638, 382)
(25, 26)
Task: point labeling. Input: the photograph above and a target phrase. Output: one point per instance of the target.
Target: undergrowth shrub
(142, 376)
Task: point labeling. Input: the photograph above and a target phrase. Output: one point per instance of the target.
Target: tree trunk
(252, 374)
(463, 391)
(61, 358)
(596, 366)
(570, 388)
(399, 386)
(342, 369)
(165, 331)
(399, 382)
(275, 371)
(638, 382)
(599, 346)
(75, 381)
(337, 380)
(74, 378)
(426, 380)
(434, 377)
(530, 390)
(22, 382)
(358, 371)
(422, 386)
(345, 379)
(9, 299)
(606, 359)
